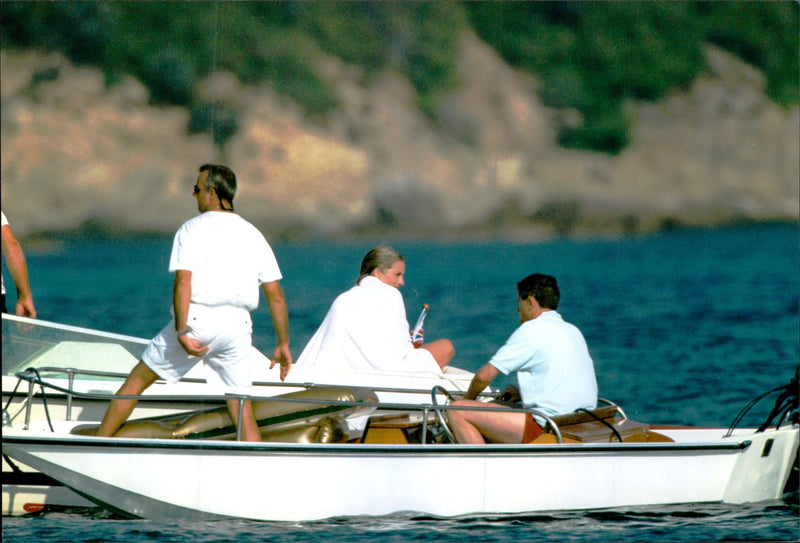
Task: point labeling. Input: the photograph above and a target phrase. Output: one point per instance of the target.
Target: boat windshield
(52, 348)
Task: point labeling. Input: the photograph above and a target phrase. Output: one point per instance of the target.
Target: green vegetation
(592, 57)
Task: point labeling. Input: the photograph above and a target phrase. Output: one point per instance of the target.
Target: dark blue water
(685, 327)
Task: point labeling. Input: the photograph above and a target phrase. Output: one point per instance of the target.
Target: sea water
(685, 327)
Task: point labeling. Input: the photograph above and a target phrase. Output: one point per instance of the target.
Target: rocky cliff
(74, 151)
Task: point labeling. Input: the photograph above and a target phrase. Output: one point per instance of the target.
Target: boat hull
(168, 479)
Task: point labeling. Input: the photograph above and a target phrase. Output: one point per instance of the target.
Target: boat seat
(395, 429)
(595, 426)
(279, 421)
(578, 427)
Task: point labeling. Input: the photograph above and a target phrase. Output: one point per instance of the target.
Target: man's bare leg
(474, 427)
(250, 431)
(118, 411)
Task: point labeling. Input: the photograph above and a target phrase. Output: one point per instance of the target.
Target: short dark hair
(222, 180)
(381, 257)
(543, 288)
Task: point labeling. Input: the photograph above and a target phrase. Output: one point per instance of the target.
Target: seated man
(554, 370)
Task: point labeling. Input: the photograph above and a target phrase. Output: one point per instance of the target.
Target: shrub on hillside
(592, 56)
(170, 77)
(221, 122)
(765, 34)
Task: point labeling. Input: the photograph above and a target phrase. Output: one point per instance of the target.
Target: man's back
(555, 369)
(228, 258)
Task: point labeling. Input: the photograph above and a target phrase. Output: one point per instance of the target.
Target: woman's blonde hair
(381, 257)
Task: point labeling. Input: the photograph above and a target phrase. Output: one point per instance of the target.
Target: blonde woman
(366, 327)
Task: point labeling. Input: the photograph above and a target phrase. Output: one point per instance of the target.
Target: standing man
(219, 260)
(554, 371)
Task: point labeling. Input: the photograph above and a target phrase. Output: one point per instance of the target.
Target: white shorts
(420, 360)
(228, 333)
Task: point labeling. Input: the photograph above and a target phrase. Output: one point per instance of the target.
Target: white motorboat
(83, 367)
(403, 462)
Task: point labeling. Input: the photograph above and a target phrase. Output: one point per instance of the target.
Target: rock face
(73, 151)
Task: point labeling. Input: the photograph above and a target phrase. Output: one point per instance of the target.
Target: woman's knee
(449, 348)
(442, 350)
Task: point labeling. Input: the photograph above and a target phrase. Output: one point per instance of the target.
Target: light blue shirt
(554, 369)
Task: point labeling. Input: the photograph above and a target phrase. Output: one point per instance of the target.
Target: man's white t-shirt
(553, 365)
(228, 257)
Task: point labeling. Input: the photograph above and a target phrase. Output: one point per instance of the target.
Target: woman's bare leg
(442, 350)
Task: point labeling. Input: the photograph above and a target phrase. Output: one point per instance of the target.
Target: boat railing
(426, 409)
(439, 411)
(612, 404)
(32, 375)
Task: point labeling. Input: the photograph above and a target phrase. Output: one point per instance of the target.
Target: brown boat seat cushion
(291, 421)
(595, 426)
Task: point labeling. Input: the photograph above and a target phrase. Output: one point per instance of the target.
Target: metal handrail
(74, 372)
(548, 422)
(33, 380)
(202, 398)
(612, 404)
(71, 394)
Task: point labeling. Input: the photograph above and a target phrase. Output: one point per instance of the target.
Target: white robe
(366, 329)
